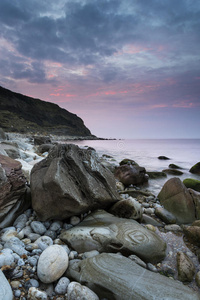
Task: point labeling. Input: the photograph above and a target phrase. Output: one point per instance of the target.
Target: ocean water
(182, 152)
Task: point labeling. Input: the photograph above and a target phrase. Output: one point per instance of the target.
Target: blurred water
(182, 152)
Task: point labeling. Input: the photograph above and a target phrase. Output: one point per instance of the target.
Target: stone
(62, 285)
(8, 234)
(52, 264)
(196, 200)
(2, 135)
(75, 178)
(104, 232)
(13, 200)
(173, 172)
(165, 215)
(74, 220)
(192, 184)
(5, 288)
(56, 226)
(16, 245)
(36, 294)
(162, 157)
(77, 291)
(38, 227)
(112, 276)
(20, 222)
(127, 161)
(31, 283)
(173, 227)
(6, 259)
(193, 234)
(156, 174)
(195, 169)
(185, 266)
(40, 140)
(175, 198)
(43, 242)
(120, 186)
(129, 208)
(198, 278)
(90, 254)
(129, 174)
(173, 166)
(44, 148)
(138, 261)
(149, 220)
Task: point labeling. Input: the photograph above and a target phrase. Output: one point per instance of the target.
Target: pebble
(149, 211)
(5, 288)
(20, 262)
(8, 234)
(20, 222)
(67, 226)
(52, 264)
(152, 268)
(15, 284)
(56, 226)
(16, 245)
(138, 260)
(52, 234)
(33, 236)
(17, 293)
(62, 285)
(31, 283)
(36, 294)
(33, 260)
(27, 230)
(75, 220)
(43, 242)
(77, 291)
(173, 227)
(38, 227)
(6, 259)
(90, 254)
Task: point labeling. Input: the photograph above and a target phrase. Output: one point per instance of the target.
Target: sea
(182, 152)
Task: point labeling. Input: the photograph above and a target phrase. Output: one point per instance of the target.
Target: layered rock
(175, 198)
(131, 174)
(113, 276)
(106, 233)
(71, 181)
(13, 190)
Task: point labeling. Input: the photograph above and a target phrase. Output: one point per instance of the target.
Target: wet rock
(127, 161)
(156, 174)
(149, 220)
(5, 289)
(173, 172)
(104, 232)
(44, 148)
(162, 157)
(165, 215)
(113, 276)
(192, 183)
(138, 261)
(77, 291)
(175, 198)
(52, 264)
(129, 174)
(173, 166)
(195, 169)
(173, 227)
(13, 189)
(129, 208)
(185, 266)
(193, 234)
(75, 177)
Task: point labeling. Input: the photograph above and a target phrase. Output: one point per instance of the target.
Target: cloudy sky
(129, 68)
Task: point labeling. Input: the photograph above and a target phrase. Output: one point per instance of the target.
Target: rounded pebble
(61, 287)
(74, 220)
(77, 291)
(43, 242)
(38, 227)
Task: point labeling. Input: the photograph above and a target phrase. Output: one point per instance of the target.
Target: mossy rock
(127, 161)
(192, 184)
(173, 166)
(173, 172)
(195, 169)
(155, 174)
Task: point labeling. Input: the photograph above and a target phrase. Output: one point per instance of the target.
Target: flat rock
(104, 232)
(113, 276)
(52, 264)
(74, 177)
(5, 288)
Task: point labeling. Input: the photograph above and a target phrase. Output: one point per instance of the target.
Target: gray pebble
(16, 245)
(67, 226)
(17, 293)
(52, 234)
(37, 251)
(151, 267)
(33, 260)
(43, 242)
(20, 222)
(56, 225)
(20, 262)
(33, 236)
(61, 287)
(38, 227)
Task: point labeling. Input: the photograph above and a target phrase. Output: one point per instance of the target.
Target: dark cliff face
(19, 113)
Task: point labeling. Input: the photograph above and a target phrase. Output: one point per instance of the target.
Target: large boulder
(106, 233)
(13, 191)
(113, 276)
(175, 198)
(71, 181)
(131, 174)
(195, 169)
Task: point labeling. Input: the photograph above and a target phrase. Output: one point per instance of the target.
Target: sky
(129, 68)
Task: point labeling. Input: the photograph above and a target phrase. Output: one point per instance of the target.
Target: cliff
(19, 113)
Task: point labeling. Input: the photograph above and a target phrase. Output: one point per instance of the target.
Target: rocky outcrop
(71, 181)
(106, 233)
(112, 276)
(13, 191)
(33, 115)
(175, 198)
(131, 174)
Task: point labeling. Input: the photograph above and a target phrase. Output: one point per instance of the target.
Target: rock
(165, 215)
(173, 227)
(6, 259)
(43, 242)
(11, 149)
(138, 261)
(149, 220)
(20, 222)
(129, 174)
(90, 254)
(113, 276)
(74, 220)
(185, 266)
(173, 172)
(44, 148)
(175, 198)
(198, 278)
(62, 285)
(193, 234)
(75, 177)
(56, 226)
(52, 264)
(196, 200)
(8, 234)
(192, 183)
(13, 189)
(5, 288)
(127, 161)
(136, 193)
(36, 294)
(16, 245)
(40, 140)
(195, 169)
(77, 291)
(162, 157)
(120, 186)
(156, 174)
(104, 232)
(38, 227)
(173, 166)
(2, 135)
(128, 208)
